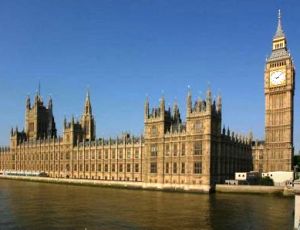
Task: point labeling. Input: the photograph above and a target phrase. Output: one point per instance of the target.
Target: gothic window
(167, 168)
(128, 154)
(183, 149)
(99, 167)
(198, 148)
(175, 150)
(113, 167)
(67, 156)
(93, 167)
(113, 154)
(182, 167)
(120, 154)
(167, 150)
(153, 150)
(136, 166)
(128, 167)
(99, 154)
(121, 168)
(136, 154)
(106, 168)
(153, 167)
(175, 168)
(198, 167)
(106, 153)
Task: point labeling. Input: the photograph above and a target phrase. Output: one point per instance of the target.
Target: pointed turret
(189, 102)
(146, 112)
(199, 104)
(176, 113)
(28, 102)
(50, 105)
(65, 122)
(208, 99)
(162, 106)
(224, 130)
(219, 103)
(88, 106)
(279, 32)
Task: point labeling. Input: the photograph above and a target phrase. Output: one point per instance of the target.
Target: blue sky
(123, 50)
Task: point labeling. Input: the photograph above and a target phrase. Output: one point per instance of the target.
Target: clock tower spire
(279, 102)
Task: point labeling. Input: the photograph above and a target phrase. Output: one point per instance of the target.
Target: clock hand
(279, 75)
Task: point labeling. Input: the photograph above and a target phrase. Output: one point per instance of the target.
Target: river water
(33, 205)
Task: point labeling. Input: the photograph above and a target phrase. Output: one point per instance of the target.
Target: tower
(87, 120)
(279, 105)
(39, 120)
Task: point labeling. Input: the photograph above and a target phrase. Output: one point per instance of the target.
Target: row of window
(197, 169)
(277, 64)
(197, 149)
(100, 168)
(67, 156)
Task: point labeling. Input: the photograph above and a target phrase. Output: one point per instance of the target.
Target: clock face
(277, 78)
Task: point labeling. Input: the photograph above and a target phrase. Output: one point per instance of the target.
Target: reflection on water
(30, 205)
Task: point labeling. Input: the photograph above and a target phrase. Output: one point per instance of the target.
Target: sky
(124, 50)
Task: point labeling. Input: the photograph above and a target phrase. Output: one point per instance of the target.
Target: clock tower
(279, 105)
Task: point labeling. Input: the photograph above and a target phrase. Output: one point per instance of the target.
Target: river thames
(32, 205)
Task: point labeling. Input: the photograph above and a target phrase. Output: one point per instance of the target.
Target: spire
(50, 103)
(39, 88)
(147, 107)
(219, 103)
(208, 99)
(176, 113)
(28, 102)
(88, 106)
(189, 101)
(87, 95)
(65, 122)
(162, 105)
(279, 32)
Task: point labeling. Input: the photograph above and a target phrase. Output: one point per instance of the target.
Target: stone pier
(297, 204)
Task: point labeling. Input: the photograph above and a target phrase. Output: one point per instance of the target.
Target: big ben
(279, 105)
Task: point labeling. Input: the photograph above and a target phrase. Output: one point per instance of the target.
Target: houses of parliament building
(193, 154)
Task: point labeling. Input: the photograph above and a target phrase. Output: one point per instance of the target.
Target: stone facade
(196, 152)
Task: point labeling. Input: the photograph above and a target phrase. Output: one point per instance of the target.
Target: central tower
(279, 105)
